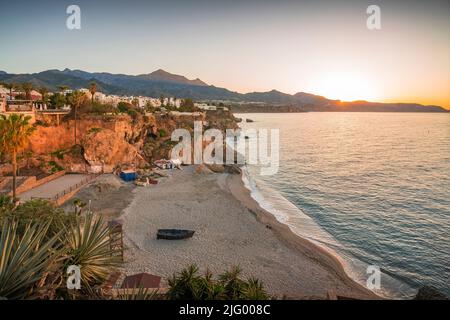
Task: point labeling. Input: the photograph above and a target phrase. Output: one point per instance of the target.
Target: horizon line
(239, 92)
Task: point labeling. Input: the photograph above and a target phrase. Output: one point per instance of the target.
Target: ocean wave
(304, 226)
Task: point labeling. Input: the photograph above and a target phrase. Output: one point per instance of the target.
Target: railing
(19, 108)
(62, 111)
(72, 188)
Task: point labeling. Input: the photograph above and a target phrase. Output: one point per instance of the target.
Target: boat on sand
(174, 234)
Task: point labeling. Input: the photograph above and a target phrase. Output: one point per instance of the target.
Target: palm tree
(79, 205)
(43, 91)
(9, 86)
(14, 133)
(76, 99)
(63, 88)
(92, 90)
(27, 88)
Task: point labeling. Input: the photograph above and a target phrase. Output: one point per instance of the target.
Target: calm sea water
(372, 187)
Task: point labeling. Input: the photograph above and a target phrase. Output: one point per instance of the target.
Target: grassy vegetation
(54, 167)
(189, 285)
(59, 154)
(39, 242)
(162, 133)
(94, 130)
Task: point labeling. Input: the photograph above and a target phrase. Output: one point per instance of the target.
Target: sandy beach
(231, 229)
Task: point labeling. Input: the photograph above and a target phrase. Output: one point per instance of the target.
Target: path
(52, 188)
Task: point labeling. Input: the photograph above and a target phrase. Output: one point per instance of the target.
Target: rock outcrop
(108, 141)
(430, 293)
(105, 149)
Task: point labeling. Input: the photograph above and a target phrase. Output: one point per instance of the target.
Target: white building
(205, 106)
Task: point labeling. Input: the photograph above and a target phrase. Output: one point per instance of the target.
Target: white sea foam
(304, 226)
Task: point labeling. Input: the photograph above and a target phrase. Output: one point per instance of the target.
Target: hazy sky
(321, 47)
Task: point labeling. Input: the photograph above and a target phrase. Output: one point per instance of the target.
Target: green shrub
(38, 210)
(188, 285)
(100, 108)
(58, 154)
(162, 133)
(37, 244)
(54, 167)
(94, 130)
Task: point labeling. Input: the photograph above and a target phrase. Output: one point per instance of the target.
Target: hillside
(161, 82)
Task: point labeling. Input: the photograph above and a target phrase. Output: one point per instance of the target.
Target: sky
(320, 47)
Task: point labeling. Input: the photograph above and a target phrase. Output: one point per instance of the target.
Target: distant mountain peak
(164, 76)
(161, 72)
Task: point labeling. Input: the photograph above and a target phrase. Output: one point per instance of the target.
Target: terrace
(19, 106)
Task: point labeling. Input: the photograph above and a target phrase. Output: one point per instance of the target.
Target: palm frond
(24, 258)
(89, 248)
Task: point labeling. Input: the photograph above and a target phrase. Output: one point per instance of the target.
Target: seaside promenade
(52, 188)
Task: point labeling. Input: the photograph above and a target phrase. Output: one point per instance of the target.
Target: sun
(346, 87)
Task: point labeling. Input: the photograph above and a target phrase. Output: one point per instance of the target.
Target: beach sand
(231, 229)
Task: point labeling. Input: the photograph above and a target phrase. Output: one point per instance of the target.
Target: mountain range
(161, 82)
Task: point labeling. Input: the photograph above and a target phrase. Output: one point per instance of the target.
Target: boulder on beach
(233, 169)
(217, 168)
(430, 293)
(202, 169)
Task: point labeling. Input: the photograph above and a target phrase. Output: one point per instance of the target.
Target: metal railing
(57, 111)
(72, 188)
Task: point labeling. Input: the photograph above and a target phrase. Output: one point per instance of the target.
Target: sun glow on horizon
(346, 87)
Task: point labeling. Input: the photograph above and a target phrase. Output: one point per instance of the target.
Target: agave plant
(88, 246)
(212, 290)
(24, 258)
(188, 285)
(185, 285)
(254, 290)
(232, 283)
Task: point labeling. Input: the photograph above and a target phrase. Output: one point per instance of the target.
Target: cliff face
(104, 142)
(109, 142)
(52, 138)
(108, 148)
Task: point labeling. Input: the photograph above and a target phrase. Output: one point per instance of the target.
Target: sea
(371, 188)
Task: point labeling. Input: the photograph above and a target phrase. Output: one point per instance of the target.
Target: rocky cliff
(107, 142)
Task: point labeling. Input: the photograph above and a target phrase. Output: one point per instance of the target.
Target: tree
(14, 133)
(92, 90)
(78, 205)
(43, 91)
(9, 86)
(63, 88)
(57, 101)
(27, 88)
(187, 105)
(76, 100)
(161, 99)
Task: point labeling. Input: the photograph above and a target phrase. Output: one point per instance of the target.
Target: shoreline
(231, 229)
(330, 261)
